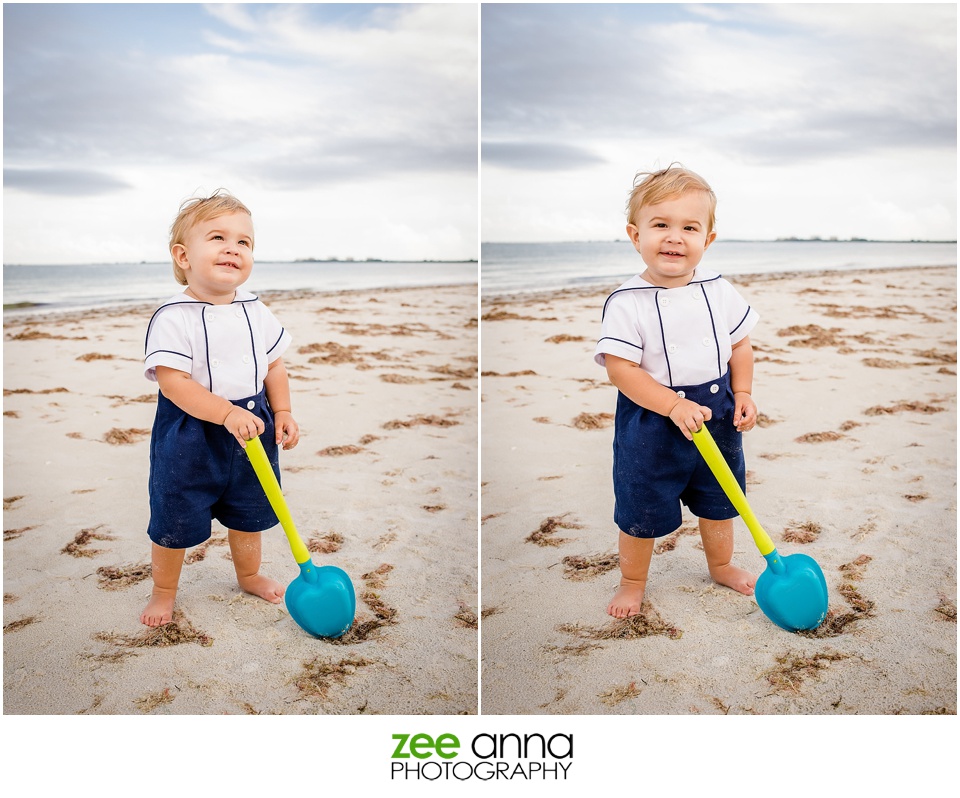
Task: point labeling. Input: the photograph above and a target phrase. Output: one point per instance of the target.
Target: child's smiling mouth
(229, 264)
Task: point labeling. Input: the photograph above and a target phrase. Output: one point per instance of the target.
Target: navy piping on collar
(653, 288)
(186, 302)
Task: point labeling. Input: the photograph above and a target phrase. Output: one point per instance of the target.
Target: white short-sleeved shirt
(225, 348)
(680, 336)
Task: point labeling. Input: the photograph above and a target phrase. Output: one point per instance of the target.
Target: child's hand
(745, 412)
(243, 425)
(689, 416)
(288, 431)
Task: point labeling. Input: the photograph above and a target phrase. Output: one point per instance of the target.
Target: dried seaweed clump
(151, 701)
(806, 532)
(543, 535)
(119, 577)
(901, 407)
(416, 421)
(325, 544)
(947, 608)
(318, 676)
(855, 570)
(119, 437)
(819, 437)
(578, 567)
(178, 631)
(376, 579)
(466, 617)
(792, 669)
(78, 546)
(340, 451)
(563, 338)
(613, 697)
(646, 624)
(593, 420)
(16, 626)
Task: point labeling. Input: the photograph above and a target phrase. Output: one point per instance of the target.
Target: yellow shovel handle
(711, 453)
(261, 464)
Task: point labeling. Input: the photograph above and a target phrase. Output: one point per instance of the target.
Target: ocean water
(520, 268)
(58, 288)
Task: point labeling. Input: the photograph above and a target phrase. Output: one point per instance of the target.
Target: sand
(384, 482)
(854, 464)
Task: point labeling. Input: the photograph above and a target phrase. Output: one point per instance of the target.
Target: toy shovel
(791, 591)
(321, 600)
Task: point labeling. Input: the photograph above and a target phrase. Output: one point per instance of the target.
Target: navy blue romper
(198, 471)
(687, 331)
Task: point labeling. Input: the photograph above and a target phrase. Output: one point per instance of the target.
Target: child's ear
(179, 252)
(711, 236)
(633, 233)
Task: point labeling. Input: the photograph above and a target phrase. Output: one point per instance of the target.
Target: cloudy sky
(807, 120)
(349, 130)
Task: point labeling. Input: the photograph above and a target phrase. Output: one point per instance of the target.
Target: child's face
(671, 237)
(217, 256)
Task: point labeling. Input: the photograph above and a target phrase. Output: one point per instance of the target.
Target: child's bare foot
(159, 609)
(628, 598)
(734, 578)
(263, 586)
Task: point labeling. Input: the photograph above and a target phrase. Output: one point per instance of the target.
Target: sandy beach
(853, 463)
(383, 485)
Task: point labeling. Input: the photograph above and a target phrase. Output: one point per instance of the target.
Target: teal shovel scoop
(791, 591)
(321, 599)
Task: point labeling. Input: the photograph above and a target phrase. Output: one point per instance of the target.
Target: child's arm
(642, 389)
(277, 385)
(191, 397)
(741, 380)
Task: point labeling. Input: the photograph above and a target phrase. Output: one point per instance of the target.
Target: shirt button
(251, 404)
(681, 394)
(215, 364)
(706, 341)
(664, 301)
(672, 348)
(714, 388)
(695, 295)
(246, 358)
(238, 313)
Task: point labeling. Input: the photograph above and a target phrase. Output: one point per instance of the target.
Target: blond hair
(201, 209)
(649, 188)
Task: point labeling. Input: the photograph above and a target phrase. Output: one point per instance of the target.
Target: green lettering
(418, 743)
(445, 741)
(398, 752)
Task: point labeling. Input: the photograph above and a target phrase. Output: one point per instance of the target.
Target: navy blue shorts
(655, 467)
(198, 472)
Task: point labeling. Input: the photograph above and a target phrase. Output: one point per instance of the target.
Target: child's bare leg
(165, 569)
(245, 550)
(635, 554)
(717, 539)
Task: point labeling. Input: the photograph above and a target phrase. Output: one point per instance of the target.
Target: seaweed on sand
(578, 567)
(318, 676)
(325, 544)
(807, 532)
(615, 695)
(178, 631)
(78, 546)
(121, 576)
(792, 669)
(647, 623)
(543, 535)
